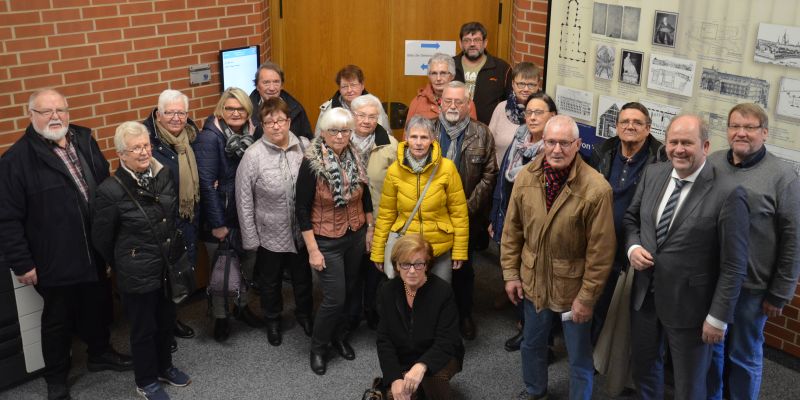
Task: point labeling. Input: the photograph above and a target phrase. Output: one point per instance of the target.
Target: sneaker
(523, 395)
(153, 391)
(174, 377)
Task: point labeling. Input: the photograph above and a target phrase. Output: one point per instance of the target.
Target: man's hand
(641, 259)
(514, 291)
(580, 312)
(712, 335)
(29, 278)
(770, 310)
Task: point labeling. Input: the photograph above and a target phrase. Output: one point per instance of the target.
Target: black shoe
(344, 349)
(318, 363)
(372, 319)
(467, 327)
(245, 315)
(110, 360)
(306, 324)
(182, 330)
(222, 329)
(173, 347)
(58, 391)
(274, 332)
(513, 343)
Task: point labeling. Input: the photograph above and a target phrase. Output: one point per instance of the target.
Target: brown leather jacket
(331, 221)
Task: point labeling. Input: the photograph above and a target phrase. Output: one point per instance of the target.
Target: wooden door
(312, 40)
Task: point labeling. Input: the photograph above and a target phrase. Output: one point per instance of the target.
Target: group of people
(702, 246)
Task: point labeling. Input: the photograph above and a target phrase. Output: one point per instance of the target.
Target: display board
(678, 55)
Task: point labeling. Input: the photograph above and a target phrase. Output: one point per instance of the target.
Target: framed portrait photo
(665, 28)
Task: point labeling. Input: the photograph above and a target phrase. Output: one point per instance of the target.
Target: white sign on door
(419, 51)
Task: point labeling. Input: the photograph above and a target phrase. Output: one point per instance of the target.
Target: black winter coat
(492, 86)
(122, 234)
(300, 125)
(44, 219)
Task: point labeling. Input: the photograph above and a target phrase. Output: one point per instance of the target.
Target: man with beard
(470, 145)
(47, 184)
(488, 78)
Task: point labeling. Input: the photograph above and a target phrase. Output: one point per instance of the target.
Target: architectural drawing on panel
(660, 116)
(614, 21)
(717, 123)
(604, 62)
(574, 102)
(789, 98)
(672, 75)
(778, 44)
(744, 87)
(607, 112)
(792, 157)
(570, 47)
(716, 39)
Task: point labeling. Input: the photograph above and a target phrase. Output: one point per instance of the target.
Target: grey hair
(701, 122)
(364, 101)
(170, 96)
(419, 122)
(336, 118)
(563, 119)
(35, 95)
(458, 85)
(443, 59)
(126, 130)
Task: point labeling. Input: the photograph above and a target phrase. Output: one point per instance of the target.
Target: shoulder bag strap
(156, 236)
(419, 201)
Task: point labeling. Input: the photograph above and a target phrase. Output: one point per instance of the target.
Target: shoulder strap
(419, 201)
(155, 236)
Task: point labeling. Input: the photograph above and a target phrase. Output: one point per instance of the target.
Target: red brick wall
(112, 59)
(784, 332)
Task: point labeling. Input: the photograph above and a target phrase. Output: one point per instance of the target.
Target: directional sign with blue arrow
(419, 51)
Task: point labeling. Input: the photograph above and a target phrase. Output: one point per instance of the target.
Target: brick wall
(112, 59)
(784, 332)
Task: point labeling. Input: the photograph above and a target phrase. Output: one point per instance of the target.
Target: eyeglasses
(350, 86)
(526, 85)
(337, 132)
(49, 113)
(472, 41)
(140, 149)
(635, 122)
(439, 74)
(417, 266)
(173, 114)
(238, 110)
(538, 113)
(365, 117)
(449, 102)
(747, 128)
(278, 122)
(563, 143)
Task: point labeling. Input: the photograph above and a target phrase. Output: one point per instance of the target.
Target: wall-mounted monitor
(238, 67)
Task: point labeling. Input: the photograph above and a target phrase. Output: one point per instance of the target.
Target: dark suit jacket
(702, 263)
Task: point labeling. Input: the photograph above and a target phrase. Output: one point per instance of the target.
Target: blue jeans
(534, 353)
(744, 341)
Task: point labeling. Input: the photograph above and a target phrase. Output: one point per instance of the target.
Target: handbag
(375, 392)
(178, 273)
(388, 268)
(226, 274)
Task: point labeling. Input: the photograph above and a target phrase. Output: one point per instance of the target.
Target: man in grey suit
(687, 238)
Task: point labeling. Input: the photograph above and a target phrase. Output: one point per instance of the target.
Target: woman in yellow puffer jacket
(442, 217)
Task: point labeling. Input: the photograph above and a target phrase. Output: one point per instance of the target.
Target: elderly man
(622, 160)
(350, 80)
(488, 78)
(773, 191)
(470, 145)
(171, 134)
(269, 83)
(428, 103)
(687, 235)
(48, 180)
(556, 251)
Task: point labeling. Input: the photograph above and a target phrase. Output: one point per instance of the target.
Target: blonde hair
(407, 246)
(236, 94)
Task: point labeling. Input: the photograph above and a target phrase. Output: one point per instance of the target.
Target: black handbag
(178, 273)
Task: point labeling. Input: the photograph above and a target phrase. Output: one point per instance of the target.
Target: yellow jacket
(442, 217)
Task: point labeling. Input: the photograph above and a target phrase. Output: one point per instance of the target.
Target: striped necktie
(669, 211)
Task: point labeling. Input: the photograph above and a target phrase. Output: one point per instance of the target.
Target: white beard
(54, 135)
(452, 116)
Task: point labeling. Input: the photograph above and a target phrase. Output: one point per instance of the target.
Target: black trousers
(464, 287)
(79, 309)
(269, 274)
(366, 289)
(152, 318)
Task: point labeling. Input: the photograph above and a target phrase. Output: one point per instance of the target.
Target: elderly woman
(334, 213)
(265, 198)
(526, 143)
(509, 114)
(418, 337)
(172, 133)
(350, 80)
(219, 149)
(428, 103)
(442, 215)
(378, 150)
(125, 237)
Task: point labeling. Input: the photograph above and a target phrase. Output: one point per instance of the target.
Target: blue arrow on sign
(423, 67)
(430, 45)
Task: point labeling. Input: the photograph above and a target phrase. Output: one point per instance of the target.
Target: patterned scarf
(514, 111)
(363, 145)
(416, 165)
(344, 173)
(453, 130)
(521, 151)
(188, 181)
(554, 181)
(236, 143)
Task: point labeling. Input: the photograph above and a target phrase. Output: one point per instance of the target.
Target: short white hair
(458, 85)
(441, 58)
(565, 120)
(171, 96)
(365, 100)
(337, 118)
(127, 130)
(35, 95)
